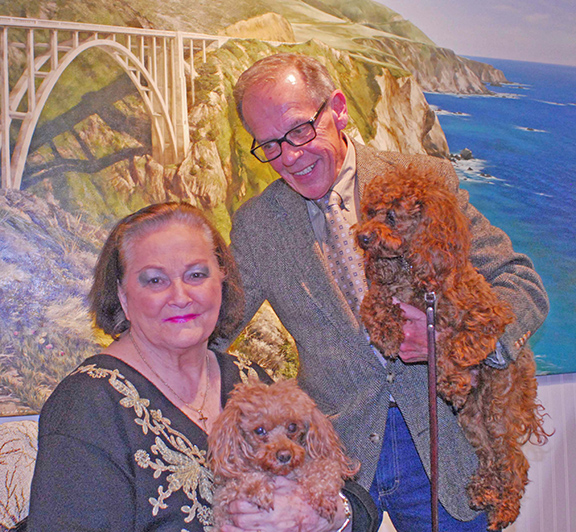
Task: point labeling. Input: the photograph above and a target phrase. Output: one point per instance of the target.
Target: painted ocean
(523, 178)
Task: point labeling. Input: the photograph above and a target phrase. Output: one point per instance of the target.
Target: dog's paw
(384, 324)
(324, 505)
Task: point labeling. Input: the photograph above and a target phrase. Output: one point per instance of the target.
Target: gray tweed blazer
(281, 261)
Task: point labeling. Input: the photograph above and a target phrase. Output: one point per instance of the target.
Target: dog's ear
(321, 438)
(322, 442)
(227, 447)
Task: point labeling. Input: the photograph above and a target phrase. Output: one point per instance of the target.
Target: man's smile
(306, 170)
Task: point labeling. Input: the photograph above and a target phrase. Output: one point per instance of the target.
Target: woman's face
(172, 288)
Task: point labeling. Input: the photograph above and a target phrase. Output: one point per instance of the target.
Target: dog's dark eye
(292, 428)
(391, 218)
(260, 431)
(364, 239)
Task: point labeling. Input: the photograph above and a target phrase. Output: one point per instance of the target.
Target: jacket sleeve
(243, 250)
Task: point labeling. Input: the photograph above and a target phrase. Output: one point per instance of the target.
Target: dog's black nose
(364, 239)
(284, 456)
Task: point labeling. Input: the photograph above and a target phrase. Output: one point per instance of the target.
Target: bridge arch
(118, 52)
(154, 61)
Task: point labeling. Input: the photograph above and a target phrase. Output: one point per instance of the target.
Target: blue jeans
(401, 486)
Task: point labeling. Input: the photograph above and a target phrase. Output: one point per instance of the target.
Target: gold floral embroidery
(174, 454)
(246, 370)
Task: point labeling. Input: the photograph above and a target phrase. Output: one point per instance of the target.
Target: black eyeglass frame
(285, 139)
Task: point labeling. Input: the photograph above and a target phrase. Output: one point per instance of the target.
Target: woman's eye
(197, 275)
(152, 279)
(156, 283)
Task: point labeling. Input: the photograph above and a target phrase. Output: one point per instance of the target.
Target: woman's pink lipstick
(181, 319)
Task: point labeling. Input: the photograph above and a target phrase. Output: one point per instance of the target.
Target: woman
(122, 442)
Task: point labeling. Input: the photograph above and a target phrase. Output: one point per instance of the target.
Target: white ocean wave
(444, 112)
(509, 95)
(554, 103)
(531, 129)
(473, 170)
(513, 85)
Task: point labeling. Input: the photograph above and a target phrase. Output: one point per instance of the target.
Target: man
(296, 115)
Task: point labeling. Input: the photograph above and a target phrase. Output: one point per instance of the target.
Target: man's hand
(415, 346)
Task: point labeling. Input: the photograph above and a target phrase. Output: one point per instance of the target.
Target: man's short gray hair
(317, 80)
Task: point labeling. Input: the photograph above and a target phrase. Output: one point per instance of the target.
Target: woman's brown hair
(110, 267)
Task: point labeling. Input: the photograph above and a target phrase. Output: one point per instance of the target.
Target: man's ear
(122, 299)
(340, 109)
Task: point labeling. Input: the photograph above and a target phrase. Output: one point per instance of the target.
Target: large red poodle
(416, 240)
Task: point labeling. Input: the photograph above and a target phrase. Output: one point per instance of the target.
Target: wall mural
(109, 124)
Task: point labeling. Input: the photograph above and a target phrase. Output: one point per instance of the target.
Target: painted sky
(528, 30)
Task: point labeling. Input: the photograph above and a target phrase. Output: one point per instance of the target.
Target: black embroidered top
(115, 454)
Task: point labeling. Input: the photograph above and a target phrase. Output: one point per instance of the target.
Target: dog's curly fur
(276, 430)
(417, 240)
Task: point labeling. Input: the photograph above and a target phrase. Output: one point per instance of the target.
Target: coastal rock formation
(435, 69)
(405, 122)
(487, 73)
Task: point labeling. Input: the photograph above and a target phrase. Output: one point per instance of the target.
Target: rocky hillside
(47, 256)
(362, 26)
(436, 69)
(486, 73)
(94, 159)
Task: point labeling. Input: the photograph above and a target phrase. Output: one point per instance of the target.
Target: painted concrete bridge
(159, 63)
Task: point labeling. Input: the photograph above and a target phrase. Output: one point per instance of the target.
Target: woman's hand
(291, 514)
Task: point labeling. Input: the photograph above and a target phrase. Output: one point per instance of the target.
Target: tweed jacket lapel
(309, 264)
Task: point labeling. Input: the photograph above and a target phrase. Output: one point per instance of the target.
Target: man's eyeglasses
(297, 136)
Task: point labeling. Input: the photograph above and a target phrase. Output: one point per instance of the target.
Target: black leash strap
(430, 299)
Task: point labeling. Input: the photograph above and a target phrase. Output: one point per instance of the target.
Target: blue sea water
(523, 180)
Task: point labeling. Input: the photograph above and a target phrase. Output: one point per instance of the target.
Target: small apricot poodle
(276, 430)
(416, 240)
